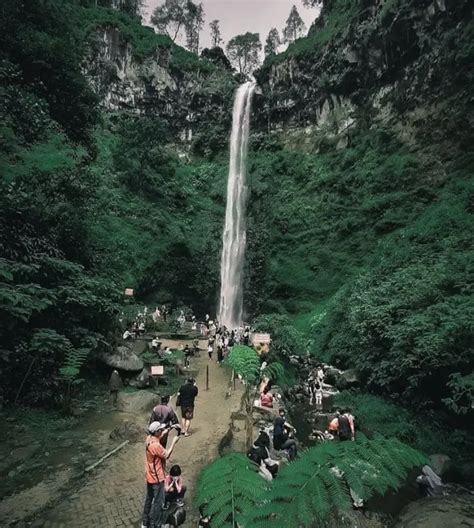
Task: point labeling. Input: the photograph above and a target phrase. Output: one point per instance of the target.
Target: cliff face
(377, 59)
(189, 94)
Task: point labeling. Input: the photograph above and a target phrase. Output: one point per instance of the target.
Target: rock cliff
(367, 58)
(188, 92)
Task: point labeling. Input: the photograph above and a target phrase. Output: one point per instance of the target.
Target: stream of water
(234, 236)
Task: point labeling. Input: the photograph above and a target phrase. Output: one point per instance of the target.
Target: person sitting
(174, 487)
(430, 484)
(260, 454)
(281, 435)
(334, 424)
(266, 398)
(155, 344)
(127, 335)
(346, 427)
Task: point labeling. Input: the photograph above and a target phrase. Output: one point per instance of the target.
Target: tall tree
(272, 43)
(216, 37)
(170, 17)
(295, 27)
(194, 22)
(175, 16)
(244, 52)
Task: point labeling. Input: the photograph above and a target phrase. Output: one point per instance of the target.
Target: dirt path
(113, 495)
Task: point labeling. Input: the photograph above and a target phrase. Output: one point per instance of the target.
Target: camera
(178, 429)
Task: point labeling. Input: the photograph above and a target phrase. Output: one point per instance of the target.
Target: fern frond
(230, 487)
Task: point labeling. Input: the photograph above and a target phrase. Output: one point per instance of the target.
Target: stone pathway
(113, 495)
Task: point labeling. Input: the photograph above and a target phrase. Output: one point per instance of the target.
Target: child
(174, 487)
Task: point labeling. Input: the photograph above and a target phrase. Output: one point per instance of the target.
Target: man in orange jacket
(156, 456)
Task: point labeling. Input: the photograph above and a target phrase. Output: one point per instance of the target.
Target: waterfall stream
(233, 238)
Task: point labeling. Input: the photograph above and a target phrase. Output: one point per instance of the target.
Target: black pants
(172, 496)
(287, 445)
(153, 514)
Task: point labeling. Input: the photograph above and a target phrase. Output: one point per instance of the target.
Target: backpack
(344, 426)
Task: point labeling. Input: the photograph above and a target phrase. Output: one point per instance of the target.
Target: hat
(154, 427)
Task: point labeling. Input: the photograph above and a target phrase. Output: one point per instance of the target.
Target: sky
(240, 16)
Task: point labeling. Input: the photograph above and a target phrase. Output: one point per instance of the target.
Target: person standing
(186, 396)
(266, 398)
(187, 355)
(156, 456)
(115, 384)
(164, 414)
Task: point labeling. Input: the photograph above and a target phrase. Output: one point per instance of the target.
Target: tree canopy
(244, 52)
(216, 37)
(295, 27)
(272, 43)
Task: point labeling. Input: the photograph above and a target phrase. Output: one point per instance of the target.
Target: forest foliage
(86, 209)
(312, 488)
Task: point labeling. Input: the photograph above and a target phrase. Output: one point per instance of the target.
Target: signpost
(261, 339)
(156, 371)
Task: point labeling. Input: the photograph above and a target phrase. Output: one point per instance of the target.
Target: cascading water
(233, 238)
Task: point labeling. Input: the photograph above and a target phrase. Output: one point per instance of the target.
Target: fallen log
(118, 448)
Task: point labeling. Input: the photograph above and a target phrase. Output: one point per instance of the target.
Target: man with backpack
(346, 430)
(186, 396)
(164, 414)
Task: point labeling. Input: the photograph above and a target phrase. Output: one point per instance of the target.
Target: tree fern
(69, 372)
(230, 488)
(320, 480)
(75, 358)
(245, 361)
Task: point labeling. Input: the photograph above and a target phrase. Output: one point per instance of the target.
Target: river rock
(347, 379)
(440, 464)
(128, 430)
(438, 512)
(331, 375)
(123, 359)
(143, 380)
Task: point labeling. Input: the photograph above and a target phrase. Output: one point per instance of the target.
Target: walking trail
(113, 495)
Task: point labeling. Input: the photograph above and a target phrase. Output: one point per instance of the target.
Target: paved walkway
(113, 495)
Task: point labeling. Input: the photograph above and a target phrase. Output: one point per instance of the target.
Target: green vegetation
(312, 487)
(426, 431)
(91, 205)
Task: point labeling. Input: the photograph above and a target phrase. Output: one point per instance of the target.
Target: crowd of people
(164, 490)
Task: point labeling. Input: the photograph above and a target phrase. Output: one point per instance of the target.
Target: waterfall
(233, 238)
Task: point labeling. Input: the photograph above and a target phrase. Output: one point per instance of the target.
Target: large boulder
(438, 512)
(143, 380)
(347, 379)
(331, 375)
(138, 402)
(123, 359)
(440, 464)
(128, 430)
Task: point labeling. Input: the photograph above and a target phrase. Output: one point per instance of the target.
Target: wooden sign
(129, 292)
(261, 339)
(157, 370)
